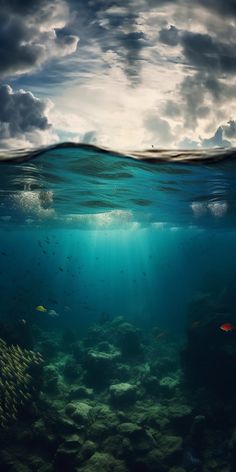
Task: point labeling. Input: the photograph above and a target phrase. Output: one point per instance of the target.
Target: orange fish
(226, 327)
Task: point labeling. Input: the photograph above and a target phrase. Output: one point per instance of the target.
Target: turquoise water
(132, 262)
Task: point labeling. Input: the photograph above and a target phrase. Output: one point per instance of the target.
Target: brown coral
(15, 380)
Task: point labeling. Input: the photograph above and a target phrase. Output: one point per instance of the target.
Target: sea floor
(118, 400)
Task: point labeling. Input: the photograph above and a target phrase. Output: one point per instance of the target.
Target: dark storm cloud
(202, 51)
(132, 44)
(29, 35)
(224, 7)
(114, 26)
(169, 36)
(20, 113)
(206, 52)
(210, 61)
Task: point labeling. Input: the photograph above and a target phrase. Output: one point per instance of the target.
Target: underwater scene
(117, 310)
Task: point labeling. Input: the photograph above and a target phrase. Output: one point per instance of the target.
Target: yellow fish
(41, 308)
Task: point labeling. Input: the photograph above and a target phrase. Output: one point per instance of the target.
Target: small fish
(195, 324)
(160, 336)
(23, 321)
(41, 308)
(60, 268)
(67, 308)
(227, 327)
(53, 313)
(3, 253)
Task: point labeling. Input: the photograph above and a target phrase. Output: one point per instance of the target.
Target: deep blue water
(95, 236)
(100, 232)
(148, 276)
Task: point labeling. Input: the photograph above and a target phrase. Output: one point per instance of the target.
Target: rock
(100, 365)
(129, 429)
(65, 425)
(177, 469)
(87, 450)
(123, 393)
(99, 431)
(65, 458)
(167, 453)
(151, 384)
(50, 379)
(70, 370)
(143, 442)
(127, 447)
(113, 445)
(79, 411)
(149, 462)
(169, 449)
(80, 392)
(128, 338)
(41, 435)
(180, 415)
(103, 413)
(152, 415)
(168, 385)
(102, 359)
(103, 462)
(123, 372)
(73, 441)
(45, 468)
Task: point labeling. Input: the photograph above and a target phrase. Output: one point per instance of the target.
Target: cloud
(32, 33)
(145, 72)
(169, 36)
(159, 129)
(223, 7)
(219, 138)
(207, 52)
(23, 117)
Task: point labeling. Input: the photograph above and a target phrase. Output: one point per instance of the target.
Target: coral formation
(140, 419)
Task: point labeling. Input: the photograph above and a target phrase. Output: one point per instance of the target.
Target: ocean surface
(117, 310)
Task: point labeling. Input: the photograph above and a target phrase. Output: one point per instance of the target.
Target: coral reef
(101, 409)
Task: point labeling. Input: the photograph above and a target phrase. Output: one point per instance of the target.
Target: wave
(149, 155)
(71, 184)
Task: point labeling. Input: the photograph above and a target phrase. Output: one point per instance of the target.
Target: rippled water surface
(82, 186)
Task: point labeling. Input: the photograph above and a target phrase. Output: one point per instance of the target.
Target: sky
(125, 75)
